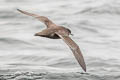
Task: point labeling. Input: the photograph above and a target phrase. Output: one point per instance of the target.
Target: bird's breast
(54, 36)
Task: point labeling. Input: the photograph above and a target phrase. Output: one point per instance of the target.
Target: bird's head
(69, 32)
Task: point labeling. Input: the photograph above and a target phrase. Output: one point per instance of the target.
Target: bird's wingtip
(18, 9)
(85, 69)
(21, 11)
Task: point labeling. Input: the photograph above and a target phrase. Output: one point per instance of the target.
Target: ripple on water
(57, 76)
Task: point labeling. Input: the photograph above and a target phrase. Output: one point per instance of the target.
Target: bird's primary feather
(43, 19)
(75, 49)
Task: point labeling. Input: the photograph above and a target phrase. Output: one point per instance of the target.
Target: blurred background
(96, 28)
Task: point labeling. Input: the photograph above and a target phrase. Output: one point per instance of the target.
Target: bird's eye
(69, 30)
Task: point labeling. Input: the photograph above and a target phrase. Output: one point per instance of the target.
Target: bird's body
(54, 31)
(51, 32)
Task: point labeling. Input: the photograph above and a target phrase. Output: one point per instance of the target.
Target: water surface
(94, 23)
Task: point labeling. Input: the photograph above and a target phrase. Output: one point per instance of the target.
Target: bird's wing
(43, 19)
(75, 49)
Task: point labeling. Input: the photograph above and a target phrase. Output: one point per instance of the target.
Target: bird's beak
(72, 34)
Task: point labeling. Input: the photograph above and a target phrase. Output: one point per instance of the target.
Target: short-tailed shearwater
(54, 31)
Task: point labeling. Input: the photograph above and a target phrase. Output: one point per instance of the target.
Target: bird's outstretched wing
(75, 49)
(43, 19)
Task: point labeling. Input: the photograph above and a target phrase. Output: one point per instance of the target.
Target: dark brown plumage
(54, 31)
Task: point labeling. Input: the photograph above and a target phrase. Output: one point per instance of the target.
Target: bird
(54, 31)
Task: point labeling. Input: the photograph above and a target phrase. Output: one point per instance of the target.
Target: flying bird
(54, 31)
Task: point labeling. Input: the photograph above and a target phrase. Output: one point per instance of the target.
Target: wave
(35, 75)
(102, 9)
(9, 43)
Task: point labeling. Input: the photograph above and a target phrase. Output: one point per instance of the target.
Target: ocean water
(96, 28)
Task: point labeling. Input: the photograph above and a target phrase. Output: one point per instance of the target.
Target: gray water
(96, 28)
